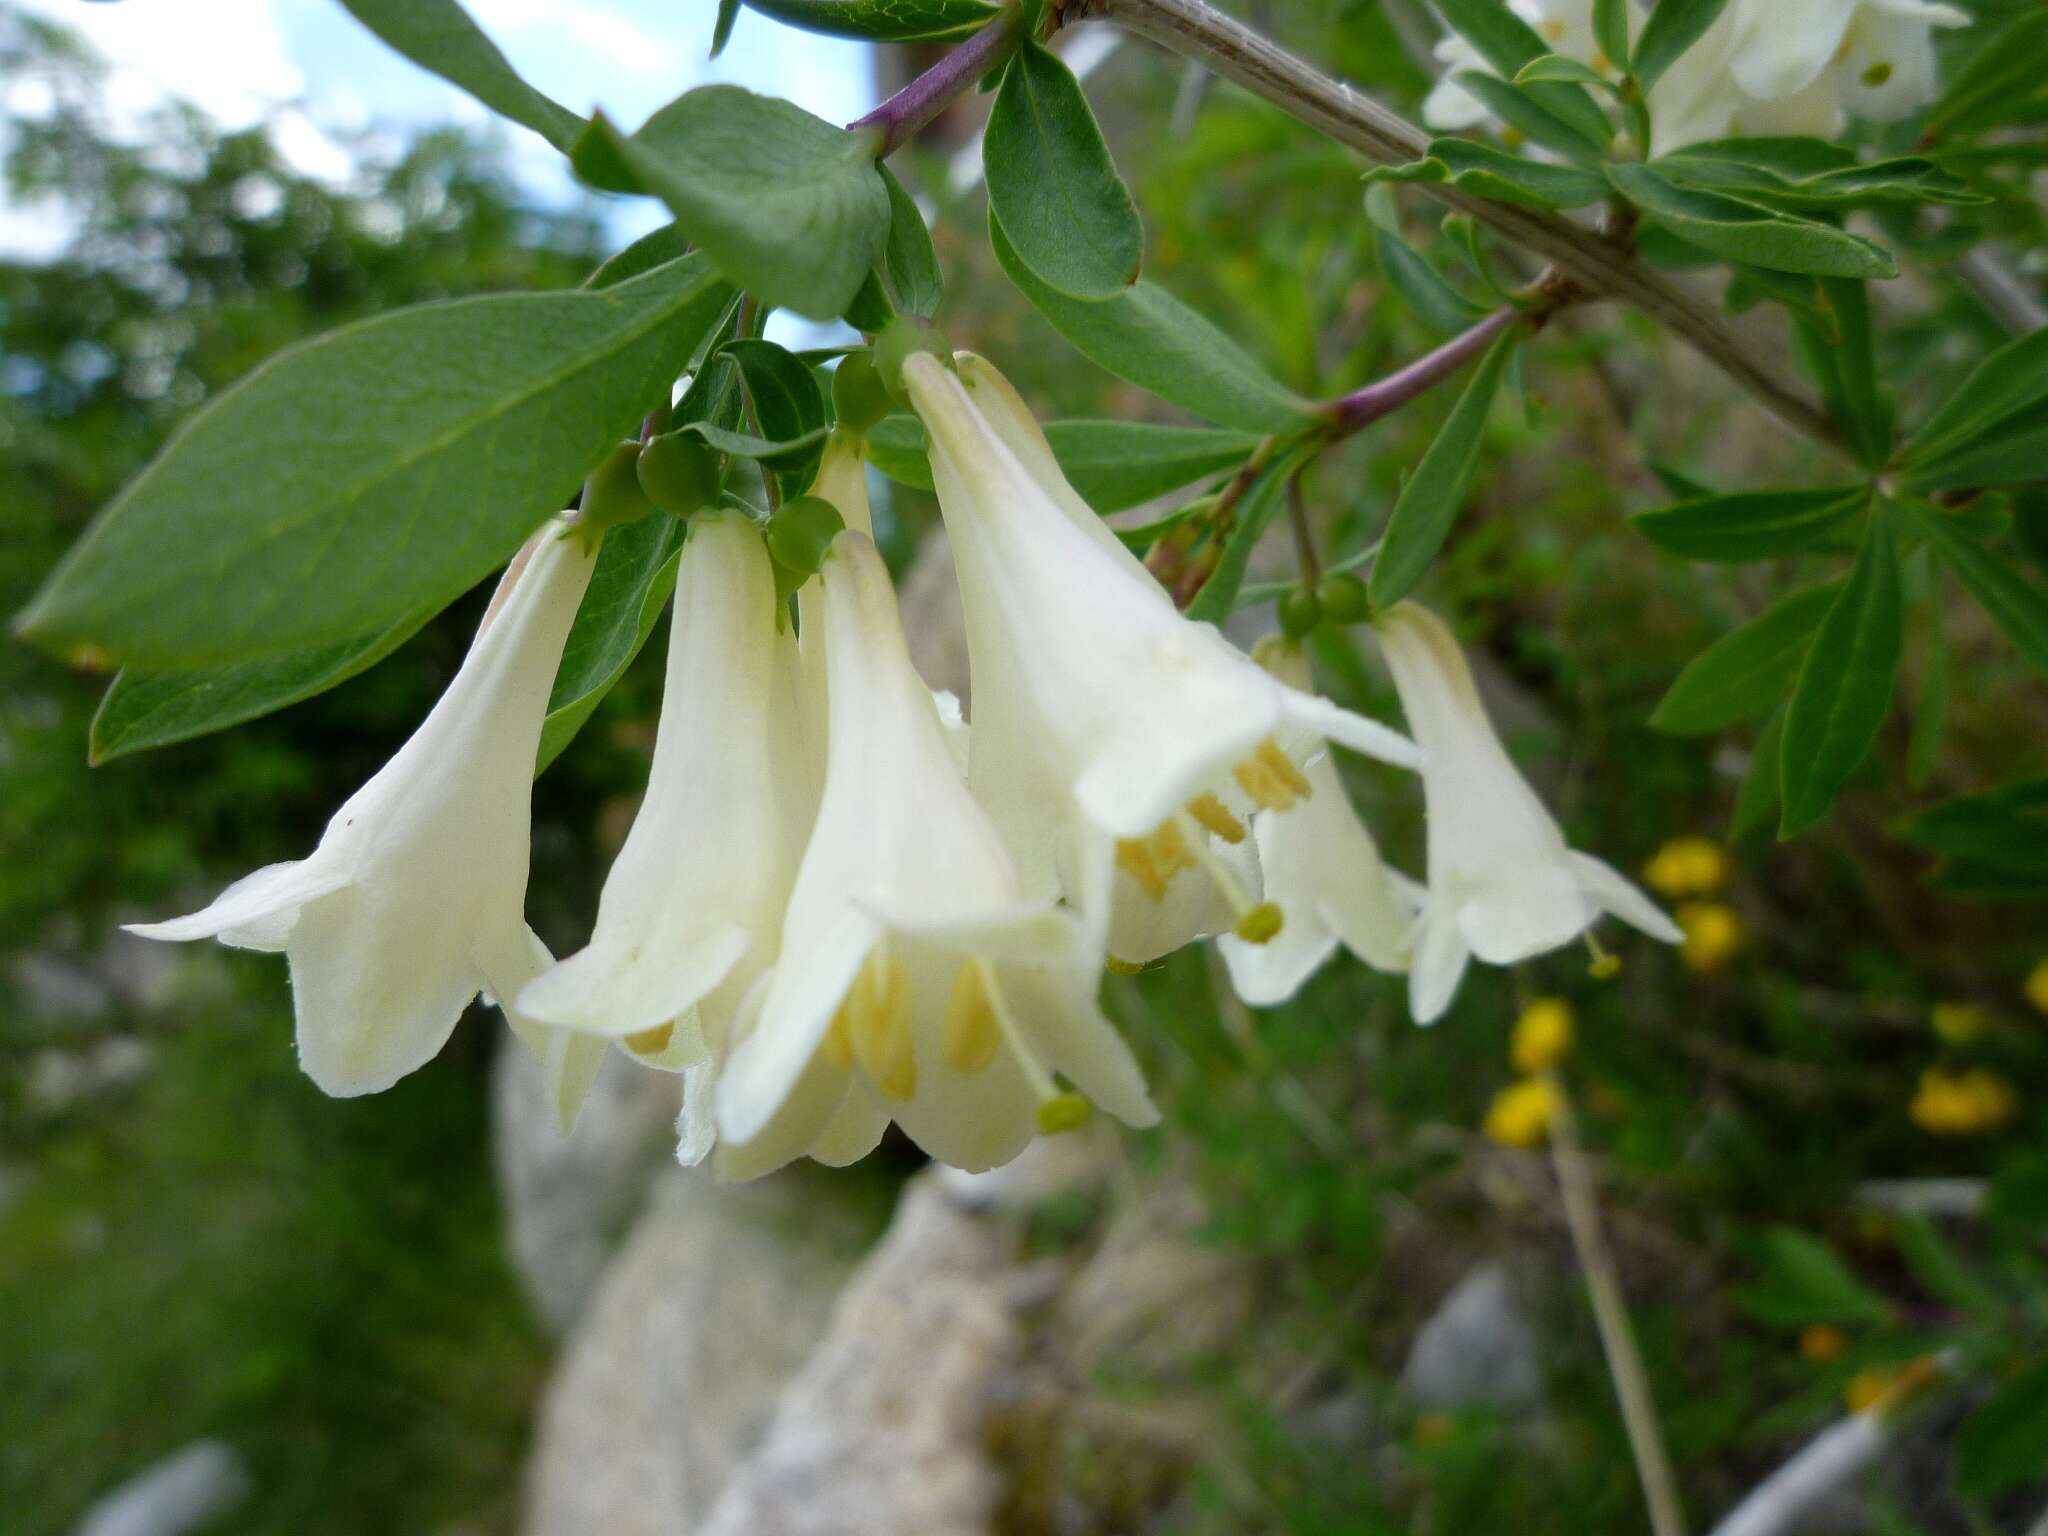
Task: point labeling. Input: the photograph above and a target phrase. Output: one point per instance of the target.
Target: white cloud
(226, 57)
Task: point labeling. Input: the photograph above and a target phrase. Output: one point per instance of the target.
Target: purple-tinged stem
(918, 103)
(1364, 406)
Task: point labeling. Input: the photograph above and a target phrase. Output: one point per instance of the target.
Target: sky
(312, 69)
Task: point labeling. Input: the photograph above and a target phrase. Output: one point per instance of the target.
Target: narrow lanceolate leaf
(1255, 512)
(438, 35)
(1111, 464)
(1149, 337)
(1673, 26)
(1610, 31)
(1745, 231)
(1508, 43)
(1745, 673)
(1758, 796)
(790, 207)
(2004, 1442)
(1845, 684)
(1428, 292)
(1998, 829)
(1051, 182)
(1857, 397)
(1430, 501)
(1497, 174)
(1750, 525)
(894, 21)
(2016, 605)
(655, 248)
(909, 266)
(721, 28)
(635, 573)
(2007, 384)
(1802, 1282)
(153, 709)
(1531, 109)
(374, 471)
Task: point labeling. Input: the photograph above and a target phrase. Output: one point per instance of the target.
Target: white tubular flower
(1117, 744)
(1502, 884)
(917, 981)
(1778, 48)
(1323, 870)
(692, 909)
(413, 902)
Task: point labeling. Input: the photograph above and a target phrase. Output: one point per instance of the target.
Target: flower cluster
(1763, 66)
(838, 907)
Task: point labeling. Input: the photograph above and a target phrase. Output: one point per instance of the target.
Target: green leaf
(2004, 1442)
(1052, 184)
(1507, 178)
(1555, 68)
(1531, 109)
(634, 575)
(2009, 383)
(1255, 512)
(153, 709)
(438, 35)
(1430, 501)
(371, 472)
(790, 207)
(1805, 174)
(1941, 1271)
(2016, 605)
(1111, 464)
(2000, 82)
(1610, 30)
(790, 408)
(656, 248)
(894, 21)
(1417, 280)
(1673, 27)
(1845, 683)
(779, 453)
(909, 266)
(1758, 796)
(1862, 406)
(2009, 453)
(1802, 1282)
(1746, 231)
(1746, 672)
(721, 29)
(2007, 825)
(1930, 718)
(1750, 525)
(1507, 43)
(1149, 337)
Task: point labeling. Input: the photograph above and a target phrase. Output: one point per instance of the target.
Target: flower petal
(1438, 967)
(258, 910)
(613, 990)
(805, 991)
(854, 1130)
(1615, 893)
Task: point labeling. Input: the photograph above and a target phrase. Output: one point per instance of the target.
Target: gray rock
(186, 1490)
(569, 1200)
(884, 1430)
(673, 1371)
(1476, 1348)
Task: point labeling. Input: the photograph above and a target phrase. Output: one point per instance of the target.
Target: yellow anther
(1215, 817)
(1067, 1111)
(1602, 65)
(1257, 780)
(1605, 965)
(837, 1045)
(1284, 768)
(1261, 924)
(648, 1041)
(972, 1031)
(877, 1014)
(1713, 935)
(1553, 29)
(1170, 853)
(1521, 1113)
(1134, 858)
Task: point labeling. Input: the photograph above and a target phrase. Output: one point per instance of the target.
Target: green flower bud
(680, 473)
(904, 335)
(1299, 613)
(1344, 599)
(858, 399)
(799, 533)
(611, 496)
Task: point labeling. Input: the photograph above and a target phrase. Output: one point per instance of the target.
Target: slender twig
(1304, 536)
(1602, 268)
(1610, 1313)
(1364, 406)
(2011, 302)
(903, 115)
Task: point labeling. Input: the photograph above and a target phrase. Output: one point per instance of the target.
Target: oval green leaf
(1052, 184)
(374, 471)
(1750, 525)
(1746, 672)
